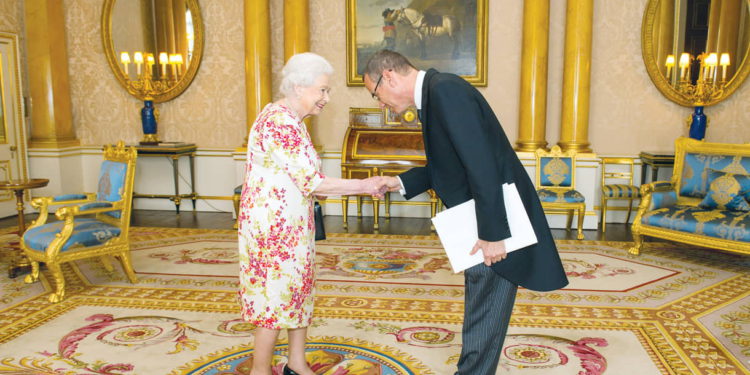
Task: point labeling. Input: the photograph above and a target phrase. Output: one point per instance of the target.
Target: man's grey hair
(386, 60)
(302, 70)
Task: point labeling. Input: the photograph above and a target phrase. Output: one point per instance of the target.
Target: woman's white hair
(302, 70)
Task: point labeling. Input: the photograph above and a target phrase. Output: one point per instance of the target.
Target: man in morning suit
(469, 157)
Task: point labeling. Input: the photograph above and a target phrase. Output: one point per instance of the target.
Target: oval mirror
(154, 47)
(696, 51)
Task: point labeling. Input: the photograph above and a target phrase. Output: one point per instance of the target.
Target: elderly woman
(276, 224)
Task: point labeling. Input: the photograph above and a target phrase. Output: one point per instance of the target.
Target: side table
(20, 261)
(173, 150)
(655, 160)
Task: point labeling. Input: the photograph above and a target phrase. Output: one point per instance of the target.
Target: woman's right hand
(376, 186)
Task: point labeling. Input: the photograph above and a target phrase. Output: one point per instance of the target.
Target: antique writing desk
(381, 144)
(174, 151)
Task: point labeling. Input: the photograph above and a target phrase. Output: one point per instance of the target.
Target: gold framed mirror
(154, 47)
(690, 31)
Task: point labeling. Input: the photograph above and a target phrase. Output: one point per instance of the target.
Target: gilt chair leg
(127, 266)
(236, 205)
(34, 275)
(106, 263)
(376, 214)
(345, 210)
(604, 214)
(569, 223)
(57, 274)
(581, 214)
(387, 205)
(637, 243)
(630, 209)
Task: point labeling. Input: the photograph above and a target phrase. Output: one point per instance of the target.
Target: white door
(12, 125)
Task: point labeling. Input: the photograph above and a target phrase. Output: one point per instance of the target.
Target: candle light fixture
(149, 82)
(705, 88)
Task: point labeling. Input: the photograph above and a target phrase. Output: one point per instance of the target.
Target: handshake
(377, 186)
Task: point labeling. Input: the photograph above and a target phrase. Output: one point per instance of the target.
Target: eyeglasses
(375, 91)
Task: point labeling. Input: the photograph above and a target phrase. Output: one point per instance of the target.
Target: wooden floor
(333, 224)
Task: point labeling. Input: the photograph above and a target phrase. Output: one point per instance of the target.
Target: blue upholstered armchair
(555, 184)
(90, 224)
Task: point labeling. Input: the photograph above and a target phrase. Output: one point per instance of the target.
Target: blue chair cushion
(695, 179)
(727, 191)
(86, 232)
(556, 171)
(620, 191)
(724, 224)
(560, 196)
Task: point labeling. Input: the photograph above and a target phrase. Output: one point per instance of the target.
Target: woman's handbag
(320, 230)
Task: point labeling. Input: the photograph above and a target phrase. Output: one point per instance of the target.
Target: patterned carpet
(385, 304)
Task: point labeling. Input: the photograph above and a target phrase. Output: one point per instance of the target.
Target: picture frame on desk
(458, 45)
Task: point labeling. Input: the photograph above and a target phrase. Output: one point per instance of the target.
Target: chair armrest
(88, 209)
(658, 194)
(43, 203)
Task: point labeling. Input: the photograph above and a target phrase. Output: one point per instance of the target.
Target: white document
(457, 229)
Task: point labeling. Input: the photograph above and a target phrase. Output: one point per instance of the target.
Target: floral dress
(276, 222)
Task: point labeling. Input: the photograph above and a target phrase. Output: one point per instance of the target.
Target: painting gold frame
(479, 78)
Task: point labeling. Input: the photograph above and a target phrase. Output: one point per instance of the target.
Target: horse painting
(426, 26)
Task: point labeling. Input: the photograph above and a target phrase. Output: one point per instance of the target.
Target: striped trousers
(488, 304)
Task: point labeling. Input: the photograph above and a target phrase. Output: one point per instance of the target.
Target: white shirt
(418, 104)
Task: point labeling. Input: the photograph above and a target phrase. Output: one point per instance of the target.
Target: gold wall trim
(59, 143)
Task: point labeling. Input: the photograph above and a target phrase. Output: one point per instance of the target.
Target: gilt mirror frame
(182, 84)
(660, 81)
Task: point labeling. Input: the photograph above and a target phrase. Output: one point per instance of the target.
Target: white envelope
(457, 229)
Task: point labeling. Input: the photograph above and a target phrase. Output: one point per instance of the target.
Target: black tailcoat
(469, 156)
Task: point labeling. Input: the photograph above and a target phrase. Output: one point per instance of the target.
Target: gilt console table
(174, 151)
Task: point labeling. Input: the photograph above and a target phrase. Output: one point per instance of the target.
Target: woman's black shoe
(288, 371)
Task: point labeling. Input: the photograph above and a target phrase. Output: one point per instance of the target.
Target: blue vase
(698, 125)
(148, 122)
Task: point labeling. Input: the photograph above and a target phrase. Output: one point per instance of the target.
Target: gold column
(296, 27)
(577, 76)
(532, 124)
(728, 32)
(664, 34)
(257, 57)
(180, 30)
(297, 34)
(51, 114)
(714, 19)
